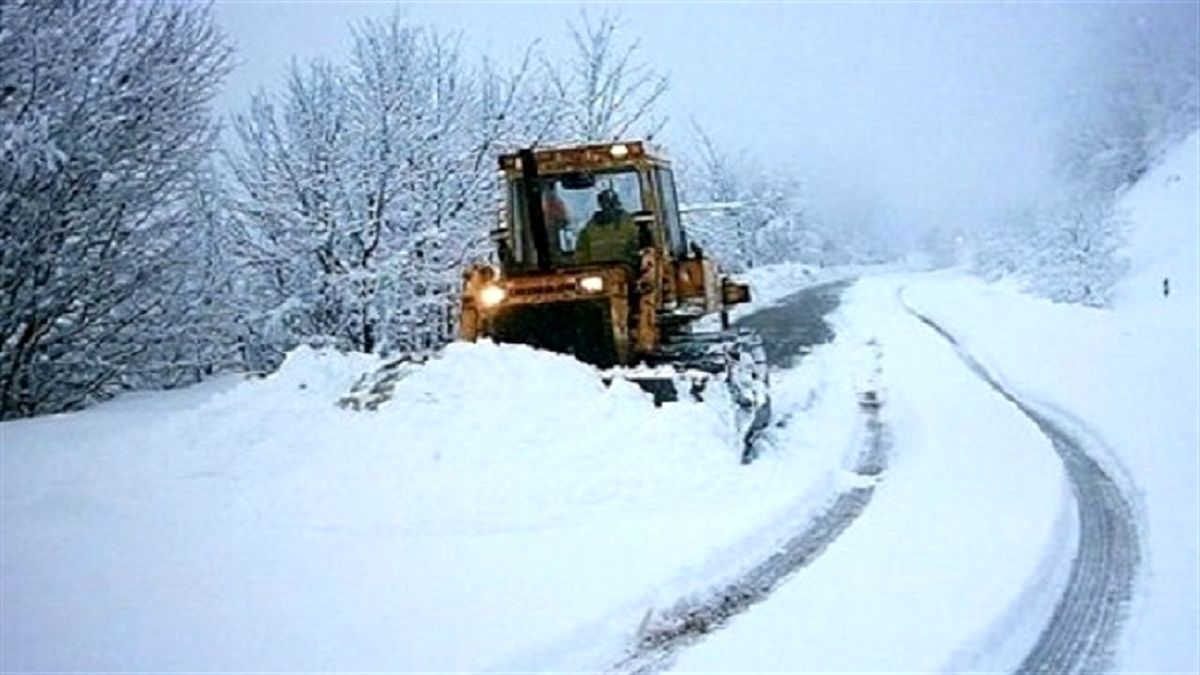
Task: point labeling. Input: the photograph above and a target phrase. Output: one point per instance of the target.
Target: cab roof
(586, 157)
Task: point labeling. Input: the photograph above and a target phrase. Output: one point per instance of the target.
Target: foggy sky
(915, 115)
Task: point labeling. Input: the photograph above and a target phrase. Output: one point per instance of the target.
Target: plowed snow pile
(502, 436)
(504, 508)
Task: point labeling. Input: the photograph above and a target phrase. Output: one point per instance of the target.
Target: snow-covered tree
(1141, 92)
(207, 285)
(1079, 255)
(1004, 247)
(1070, 249)
(104, 120)
(763, 219)
(365, 187)
(604, 91)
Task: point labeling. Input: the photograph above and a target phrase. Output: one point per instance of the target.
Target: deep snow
(504, 510)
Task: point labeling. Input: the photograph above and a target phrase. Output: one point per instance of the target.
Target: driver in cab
(610, 235)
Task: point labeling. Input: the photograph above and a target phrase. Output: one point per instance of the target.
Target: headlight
(592, 284)
(492, 295)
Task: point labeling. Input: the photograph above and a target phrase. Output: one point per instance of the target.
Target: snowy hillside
(1165, 238)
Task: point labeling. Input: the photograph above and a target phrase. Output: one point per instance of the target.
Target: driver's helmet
(609, 201)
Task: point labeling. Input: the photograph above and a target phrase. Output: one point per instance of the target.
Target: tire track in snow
(789, 328)
(660, 639)
(1083, 628)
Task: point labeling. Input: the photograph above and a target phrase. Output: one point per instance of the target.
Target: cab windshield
(570, 202)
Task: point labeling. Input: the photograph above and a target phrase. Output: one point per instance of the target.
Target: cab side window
(669, 204)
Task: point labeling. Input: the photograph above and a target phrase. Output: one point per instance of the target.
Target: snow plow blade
(726, 364)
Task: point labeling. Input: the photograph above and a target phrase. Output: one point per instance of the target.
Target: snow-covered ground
(507, 511)
(504, 510)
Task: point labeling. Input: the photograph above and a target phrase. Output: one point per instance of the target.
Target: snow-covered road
(1081, 634)
(795, 324)
(958, 561)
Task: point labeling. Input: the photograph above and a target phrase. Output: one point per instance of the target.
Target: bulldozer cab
(587, 205)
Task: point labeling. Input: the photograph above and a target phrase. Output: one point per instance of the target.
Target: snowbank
(1132, 375)
(503, 508)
